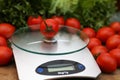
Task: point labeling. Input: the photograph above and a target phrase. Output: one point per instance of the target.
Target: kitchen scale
(66, 56)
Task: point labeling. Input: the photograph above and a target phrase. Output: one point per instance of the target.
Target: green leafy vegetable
(93, 13)
(63, 6)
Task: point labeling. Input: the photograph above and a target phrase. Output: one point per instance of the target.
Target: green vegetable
(64, 6)
(15, 12)
(93, 13)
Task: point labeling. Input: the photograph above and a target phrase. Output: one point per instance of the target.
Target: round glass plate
(68, 40)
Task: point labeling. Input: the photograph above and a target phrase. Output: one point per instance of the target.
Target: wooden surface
(9, 72)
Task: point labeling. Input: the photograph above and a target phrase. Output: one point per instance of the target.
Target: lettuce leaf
(63, 6)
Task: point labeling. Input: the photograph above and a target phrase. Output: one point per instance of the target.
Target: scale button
(81, 67)
(39, 70)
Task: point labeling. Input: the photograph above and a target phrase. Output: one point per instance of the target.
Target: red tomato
(113, 42)
(119, 33)
(3, 41)
(5, 55)
(89, 31)
(98, 50)
(104, 33)
(115, 26)
(34, 22)
(49, 28)
(6, 30)
(106, 63)
(118, 46)
(73, 22)
(115, 53)
(93, 42)
(59, 19)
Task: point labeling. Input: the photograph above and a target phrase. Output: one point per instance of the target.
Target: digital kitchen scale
(67, 56)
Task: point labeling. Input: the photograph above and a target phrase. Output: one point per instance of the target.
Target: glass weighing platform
(67, 56)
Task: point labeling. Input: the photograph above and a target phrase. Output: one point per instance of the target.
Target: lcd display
(60, 67)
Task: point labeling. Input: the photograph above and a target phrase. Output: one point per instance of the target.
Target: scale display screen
(60, 67)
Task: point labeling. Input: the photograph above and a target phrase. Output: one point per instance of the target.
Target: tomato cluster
(6, 53)
(104, 45)
(50, 26)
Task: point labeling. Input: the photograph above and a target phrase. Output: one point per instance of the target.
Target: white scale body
(27, 63)
(74, 59)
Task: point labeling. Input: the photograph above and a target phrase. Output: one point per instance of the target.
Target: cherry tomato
(49, 28)
(73, 22)
(6, 30)
(3, 41)
(93, 42)
(116, 54)
(104, 33)
(59, 19)
(34, 22)
(106, 63)
(115, 26)
(5, 55)
(97, 50)
(113, 42)
(89, 31)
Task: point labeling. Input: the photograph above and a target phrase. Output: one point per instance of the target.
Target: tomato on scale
(49, 28)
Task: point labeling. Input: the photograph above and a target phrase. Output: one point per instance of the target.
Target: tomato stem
(95, 56)
(48, 28)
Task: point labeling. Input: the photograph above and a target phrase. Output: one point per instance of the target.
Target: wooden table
(9, 72)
